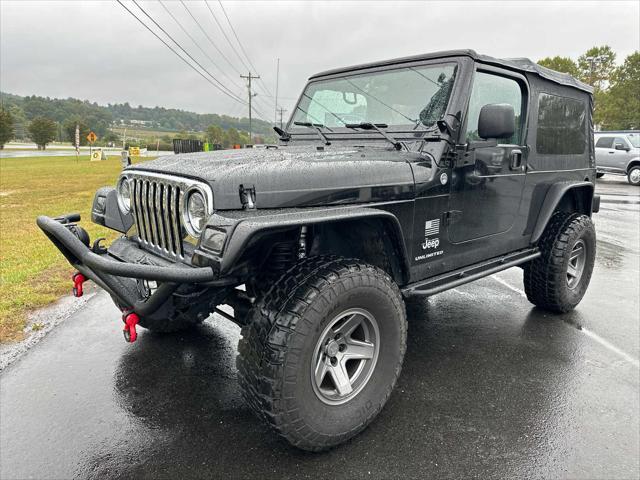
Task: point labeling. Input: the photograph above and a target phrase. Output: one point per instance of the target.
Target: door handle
(515, 160)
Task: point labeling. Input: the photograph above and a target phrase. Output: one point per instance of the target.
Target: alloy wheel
(345, 356)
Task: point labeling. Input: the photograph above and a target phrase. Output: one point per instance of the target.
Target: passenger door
(488, 182)
(605, 152)
(622, 154)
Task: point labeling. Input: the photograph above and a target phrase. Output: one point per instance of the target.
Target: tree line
(44, 119)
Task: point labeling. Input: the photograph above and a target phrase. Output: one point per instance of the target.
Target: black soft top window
(562, 125)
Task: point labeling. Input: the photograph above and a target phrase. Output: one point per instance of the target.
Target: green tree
(231, 138)
(20, 122)
(560, 64)
(69, 127)
(6, 127)
(214, 134)
(42, 130)
(620, 108)
(596, 66)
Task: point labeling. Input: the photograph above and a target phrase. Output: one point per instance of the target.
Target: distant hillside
(99, 117)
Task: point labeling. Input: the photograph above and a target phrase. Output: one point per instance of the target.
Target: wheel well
(562, 198)
(371, 240)
(577, 200)
(633, 163)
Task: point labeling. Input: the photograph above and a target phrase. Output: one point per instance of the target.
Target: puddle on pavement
(609, 254)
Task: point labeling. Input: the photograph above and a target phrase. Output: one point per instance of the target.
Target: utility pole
(593, 63)
(281, 111)
(251, 95)
(275, 117)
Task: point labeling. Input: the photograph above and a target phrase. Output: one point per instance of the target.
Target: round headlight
(124, 194)
(196, 212)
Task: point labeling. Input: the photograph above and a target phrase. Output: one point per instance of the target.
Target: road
(491, 388)
(69, 151)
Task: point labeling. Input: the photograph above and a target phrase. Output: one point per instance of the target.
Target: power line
(177, 54)
(225, 35)
(209, 38)
(233, 30)
(215, 18)
(198, 45)
(187, 53)
(234, 96)
(190, 65)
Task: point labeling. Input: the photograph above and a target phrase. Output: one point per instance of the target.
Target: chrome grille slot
(157, 203)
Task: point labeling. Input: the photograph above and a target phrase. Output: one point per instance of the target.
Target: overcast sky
(97, 51)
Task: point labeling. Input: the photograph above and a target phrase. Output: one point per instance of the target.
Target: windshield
(634, 138)
(408, 96)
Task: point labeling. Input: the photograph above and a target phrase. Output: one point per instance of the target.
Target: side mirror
(620, 146)
(497, 120)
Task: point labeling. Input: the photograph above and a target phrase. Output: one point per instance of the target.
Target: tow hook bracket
(78, 279)
(130, 321)
(97, 248)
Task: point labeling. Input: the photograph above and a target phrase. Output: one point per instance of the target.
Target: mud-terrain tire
(633, 175)
(293, 327)
(558, 279)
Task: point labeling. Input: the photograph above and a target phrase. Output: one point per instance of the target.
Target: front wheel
(559, 278)
(633, 176)
(322, 350)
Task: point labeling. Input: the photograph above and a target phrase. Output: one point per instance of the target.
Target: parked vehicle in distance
(392, 180)
(618, 153)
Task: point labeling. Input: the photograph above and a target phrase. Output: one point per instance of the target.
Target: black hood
(295, 176)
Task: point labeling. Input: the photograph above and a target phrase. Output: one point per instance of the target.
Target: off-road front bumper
(120, 278)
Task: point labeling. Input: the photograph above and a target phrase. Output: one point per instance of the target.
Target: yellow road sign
(92, 137)
(134, 151)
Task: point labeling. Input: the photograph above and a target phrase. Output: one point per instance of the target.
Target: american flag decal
(432, 227)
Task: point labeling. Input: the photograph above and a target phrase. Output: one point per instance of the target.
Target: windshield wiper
(317, 127)
(378, 128)
(283, 134)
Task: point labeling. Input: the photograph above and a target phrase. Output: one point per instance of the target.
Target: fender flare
(244, 230)
(554, 195)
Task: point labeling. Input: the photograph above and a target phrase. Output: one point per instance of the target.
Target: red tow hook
(130, 321)
(78, 279)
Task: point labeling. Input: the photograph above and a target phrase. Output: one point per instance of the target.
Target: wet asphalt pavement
(491, 388)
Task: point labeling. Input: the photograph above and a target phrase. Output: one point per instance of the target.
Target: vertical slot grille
(156, 208)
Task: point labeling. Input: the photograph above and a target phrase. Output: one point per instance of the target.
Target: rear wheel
(633, 176)
(322, 350)
(559, 278)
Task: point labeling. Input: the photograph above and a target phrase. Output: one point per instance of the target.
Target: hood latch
(248, 197)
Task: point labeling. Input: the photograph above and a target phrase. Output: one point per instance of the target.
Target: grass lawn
(33, 272)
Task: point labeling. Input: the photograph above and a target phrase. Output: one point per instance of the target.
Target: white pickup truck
(618, 153)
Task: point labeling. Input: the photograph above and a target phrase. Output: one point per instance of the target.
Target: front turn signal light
(213, 239)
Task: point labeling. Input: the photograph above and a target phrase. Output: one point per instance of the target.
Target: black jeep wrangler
(392, 180)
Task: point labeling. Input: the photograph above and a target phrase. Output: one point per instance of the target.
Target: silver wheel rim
(576, 263)
(345, 356)
(634, 176)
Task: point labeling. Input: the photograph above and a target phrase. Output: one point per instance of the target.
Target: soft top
(518, 64)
